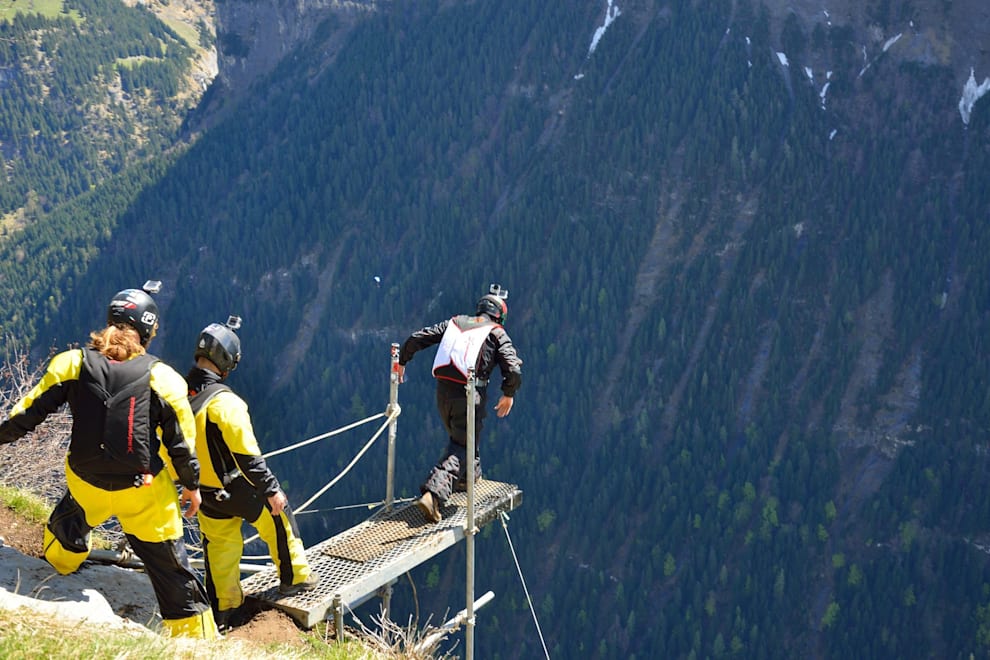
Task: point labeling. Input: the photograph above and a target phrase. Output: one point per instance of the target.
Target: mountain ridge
(728, 288)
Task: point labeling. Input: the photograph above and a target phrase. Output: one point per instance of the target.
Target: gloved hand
(9, 433)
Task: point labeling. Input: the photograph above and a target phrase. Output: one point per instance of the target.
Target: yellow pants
(224, 546)
(152, 522)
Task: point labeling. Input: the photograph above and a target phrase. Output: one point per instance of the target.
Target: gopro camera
(233, 322)
(497, 290)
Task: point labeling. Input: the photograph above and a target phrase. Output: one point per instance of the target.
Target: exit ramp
(356, 564)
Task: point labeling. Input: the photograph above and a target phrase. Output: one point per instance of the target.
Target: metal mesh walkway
(355, 564)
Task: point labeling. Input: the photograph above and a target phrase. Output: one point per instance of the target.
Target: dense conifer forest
(62, 132)
(752, 314)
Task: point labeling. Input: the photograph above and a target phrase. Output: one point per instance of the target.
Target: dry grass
(390, 640)
(30, 634)
(36, 462)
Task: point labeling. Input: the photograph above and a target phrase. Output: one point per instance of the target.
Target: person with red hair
(121, 398)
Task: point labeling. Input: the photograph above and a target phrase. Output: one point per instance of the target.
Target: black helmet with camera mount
(492, 304)
(137, 309)
(218, 344)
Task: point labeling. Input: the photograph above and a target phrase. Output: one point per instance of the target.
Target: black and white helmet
(136, 308)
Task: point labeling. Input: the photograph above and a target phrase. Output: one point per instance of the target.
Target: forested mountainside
(89, 88)
(746, 256)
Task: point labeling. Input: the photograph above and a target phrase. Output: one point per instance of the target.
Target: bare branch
(36, 462)
(394, 641)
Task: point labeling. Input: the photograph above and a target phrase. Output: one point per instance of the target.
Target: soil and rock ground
(263, 626)
(130, 594)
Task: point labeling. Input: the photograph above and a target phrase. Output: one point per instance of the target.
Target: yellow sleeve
(230, 413)
(172, 389)
(63, 367)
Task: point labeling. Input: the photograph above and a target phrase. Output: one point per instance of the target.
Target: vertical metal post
(386, 594)
(338, 618)
(472, 397)
(393, 403)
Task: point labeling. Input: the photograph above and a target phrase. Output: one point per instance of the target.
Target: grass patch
(46, 8)
(132, 60)
(35, 510)
(25, 504)
(31, 634)
(187, 32)
(28, 634)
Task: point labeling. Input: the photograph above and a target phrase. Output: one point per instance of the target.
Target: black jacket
(497, 350)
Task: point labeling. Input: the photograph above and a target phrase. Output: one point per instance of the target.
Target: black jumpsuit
(452, 397)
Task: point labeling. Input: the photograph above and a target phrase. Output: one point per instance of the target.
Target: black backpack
(125, 390)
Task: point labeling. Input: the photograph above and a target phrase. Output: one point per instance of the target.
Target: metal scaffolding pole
(469, 528)
(393, 406)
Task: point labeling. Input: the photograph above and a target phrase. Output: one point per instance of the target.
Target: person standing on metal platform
(121, 398)
(465, 341)
(237, 483)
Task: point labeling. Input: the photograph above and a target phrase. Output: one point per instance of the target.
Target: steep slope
(89, 89)
(748, 282)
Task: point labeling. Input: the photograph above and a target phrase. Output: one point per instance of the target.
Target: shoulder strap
(200, 399)
(218, 451)
(94, 374)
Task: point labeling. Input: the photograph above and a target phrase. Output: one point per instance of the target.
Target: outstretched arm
(44, 398)
(417, 341)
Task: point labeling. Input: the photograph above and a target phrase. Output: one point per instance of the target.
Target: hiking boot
(308, 584)
(227, 620)
(461, 485)
(429, 506)
(222, 619)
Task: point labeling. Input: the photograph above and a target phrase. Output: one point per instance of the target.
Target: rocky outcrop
(952, 34)
(254, 35)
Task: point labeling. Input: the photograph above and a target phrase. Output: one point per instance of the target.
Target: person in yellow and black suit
(120, 396)
(236, 481)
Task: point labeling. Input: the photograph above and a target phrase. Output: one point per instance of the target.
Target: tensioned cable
(347, 469)
(368, 505)
(503, 516)
(325, 435)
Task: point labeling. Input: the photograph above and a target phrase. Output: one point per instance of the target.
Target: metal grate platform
(355, 564)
